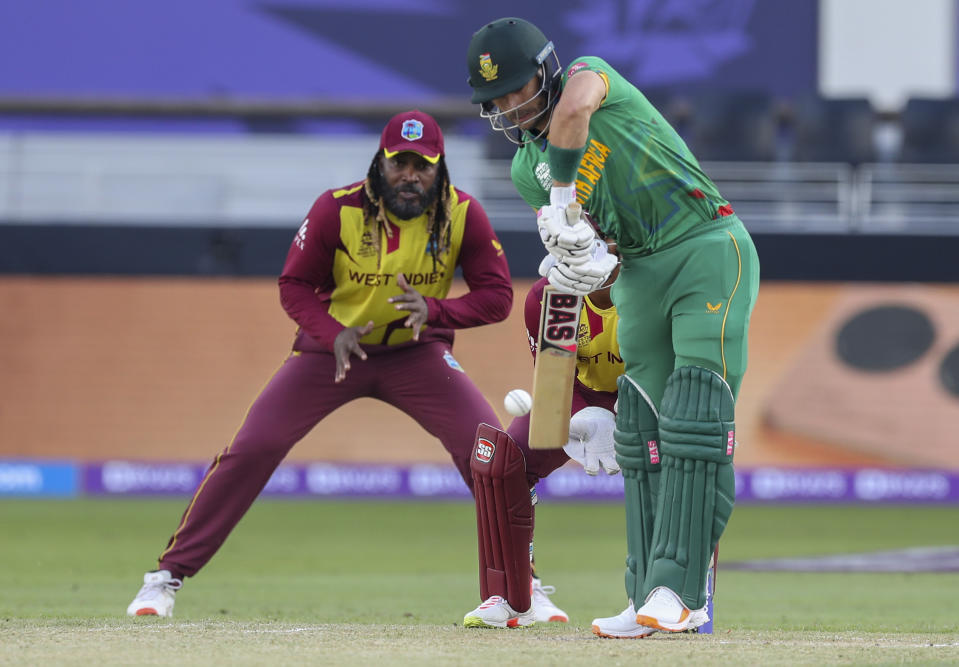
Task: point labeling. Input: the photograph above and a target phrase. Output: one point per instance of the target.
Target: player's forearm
(485, 305)
(486, 273)
(569, 127)
(569, 130)
(301, 303)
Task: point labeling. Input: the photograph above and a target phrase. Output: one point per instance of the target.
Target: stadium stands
(833, 130)
(738, 126)
(930, 131)
(807, 164)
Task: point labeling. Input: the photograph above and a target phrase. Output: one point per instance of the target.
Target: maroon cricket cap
(413, 131)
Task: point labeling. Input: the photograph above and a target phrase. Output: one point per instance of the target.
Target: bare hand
(347, 343)
(412, 301)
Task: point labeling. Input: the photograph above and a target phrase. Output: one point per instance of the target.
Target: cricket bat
(555, 366)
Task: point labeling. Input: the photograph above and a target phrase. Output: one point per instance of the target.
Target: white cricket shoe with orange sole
(544, 611)
(664, 610)
(156, 597)
(622, 626)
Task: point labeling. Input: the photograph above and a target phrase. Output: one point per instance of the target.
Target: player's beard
(407, 209)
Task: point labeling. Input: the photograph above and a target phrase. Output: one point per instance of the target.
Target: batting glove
(591, 440)
(563, 195)
(561, 238)
(581, 278)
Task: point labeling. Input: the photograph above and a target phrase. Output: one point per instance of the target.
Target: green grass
(357, 582)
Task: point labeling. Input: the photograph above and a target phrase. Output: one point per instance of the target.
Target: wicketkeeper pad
(637, 452)
(504, 517)
(697, 487)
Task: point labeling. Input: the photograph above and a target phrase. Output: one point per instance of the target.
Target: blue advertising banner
(38, 478)
(442, 482)
(385, 49)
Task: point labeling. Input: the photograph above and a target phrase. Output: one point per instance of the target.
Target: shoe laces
(543, 590)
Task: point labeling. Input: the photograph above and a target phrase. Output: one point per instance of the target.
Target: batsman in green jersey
(688, 281)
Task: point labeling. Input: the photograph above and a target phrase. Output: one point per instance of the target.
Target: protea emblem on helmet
(412, 130)
(488, 70)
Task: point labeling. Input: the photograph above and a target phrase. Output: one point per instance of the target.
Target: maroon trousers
(424, 381)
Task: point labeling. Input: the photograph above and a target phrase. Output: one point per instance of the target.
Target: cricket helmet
(502, 57)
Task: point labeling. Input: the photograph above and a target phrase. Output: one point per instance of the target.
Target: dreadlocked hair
(438, 215)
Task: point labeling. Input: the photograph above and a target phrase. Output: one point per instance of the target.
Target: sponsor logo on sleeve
(300, 238)
(543, 176)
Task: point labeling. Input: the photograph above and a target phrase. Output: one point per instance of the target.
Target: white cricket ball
(518, 402)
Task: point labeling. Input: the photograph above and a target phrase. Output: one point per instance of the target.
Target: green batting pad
(697, 487)
(637, 452)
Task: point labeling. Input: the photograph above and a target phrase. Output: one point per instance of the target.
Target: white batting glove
(566, 268)
(562, 195)
(551, 262)
(582, 278)
(591, 440)
(547, 265)
(561, 238)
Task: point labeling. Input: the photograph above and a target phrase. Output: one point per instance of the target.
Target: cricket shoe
(544, 610)
(156, 597)
(496, 613)
(623, 626)
(664, 610)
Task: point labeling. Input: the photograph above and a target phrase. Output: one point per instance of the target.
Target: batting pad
(637, 451)
(504, 517)
(697, 486)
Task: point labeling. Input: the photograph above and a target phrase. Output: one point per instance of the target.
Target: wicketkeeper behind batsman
(366, 280)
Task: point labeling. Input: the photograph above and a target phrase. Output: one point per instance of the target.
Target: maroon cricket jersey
(333, 277)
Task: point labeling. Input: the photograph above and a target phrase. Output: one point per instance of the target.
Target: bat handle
(573, 213)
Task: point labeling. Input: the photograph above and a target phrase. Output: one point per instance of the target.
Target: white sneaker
(496, 613)
(544, 610)
(623, 626)
(157, 595)
(664, 610)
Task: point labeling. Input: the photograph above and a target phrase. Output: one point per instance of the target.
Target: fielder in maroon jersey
(367, 280)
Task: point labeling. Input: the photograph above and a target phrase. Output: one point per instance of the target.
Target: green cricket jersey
(638, 180)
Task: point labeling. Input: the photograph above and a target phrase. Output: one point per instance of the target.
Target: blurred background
(157, 158)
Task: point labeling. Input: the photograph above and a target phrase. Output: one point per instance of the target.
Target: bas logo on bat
(561, 322)
(555, 369)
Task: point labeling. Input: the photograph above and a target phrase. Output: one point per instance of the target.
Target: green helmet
(504, 55)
